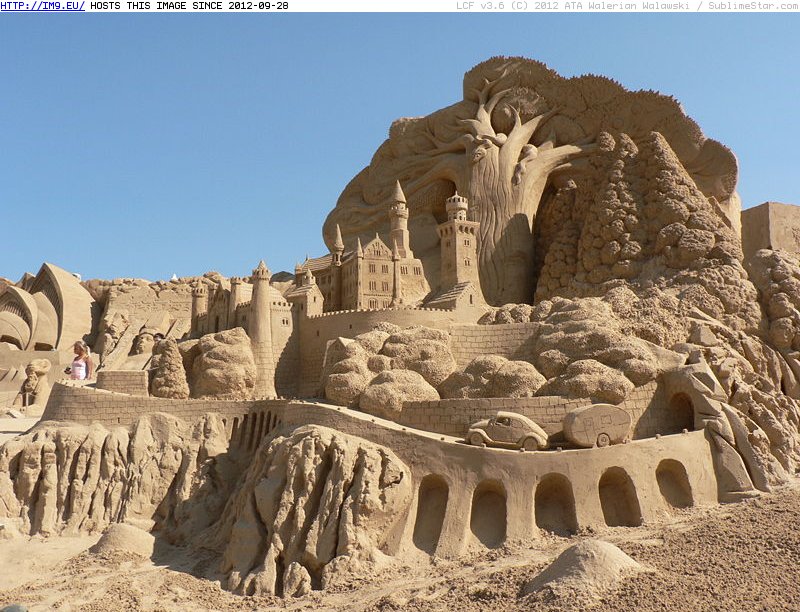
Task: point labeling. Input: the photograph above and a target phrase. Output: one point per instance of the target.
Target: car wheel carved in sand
(507, 430)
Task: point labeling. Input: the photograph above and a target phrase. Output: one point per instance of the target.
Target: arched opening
(244, 430)
(431, 507)
(42, 346)
(681, 411)
(234, 429)
(554, 505)
(673, 483)
(488, 518)
(258, 421)
(12, 341)
(618, 499)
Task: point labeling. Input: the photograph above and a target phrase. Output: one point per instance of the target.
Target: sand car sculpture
(507, 430)
(596, 425)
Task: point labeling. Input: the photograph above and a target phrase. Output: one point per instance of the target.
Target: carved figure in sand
(36, 388)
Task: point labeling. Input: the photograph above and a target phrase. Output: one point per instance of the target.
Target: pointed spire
(338, 243)
(262, 271)
(359, 250)
(398, 195)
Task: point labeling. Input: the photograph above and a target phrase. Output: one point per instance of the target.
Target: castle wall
(464, 469)
(453, 417)
(130, 382)
(771, 225)
(511, 340)
(315, 332)
(71, 401)
(143, 301)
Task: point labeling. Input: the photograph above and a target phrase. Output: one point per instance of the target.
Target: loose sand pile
(588, 568)
(124, 538)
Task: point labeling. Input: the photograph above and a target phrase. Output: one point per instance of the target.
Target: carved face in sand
(144, 343)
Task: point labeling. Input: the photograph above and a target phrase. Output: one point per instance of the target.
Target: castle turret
(398, 222)
(359, 274)
(234, 300)
(459, 245)
(338, 247)
(397, 288)
(306, 296)
(260, 331)
(199, 306)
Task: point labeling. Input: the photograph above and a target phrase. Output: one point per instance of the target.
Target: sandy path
(735, 557)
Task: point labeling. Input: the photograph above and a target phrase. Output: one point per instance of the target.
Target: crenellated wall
(81, 403)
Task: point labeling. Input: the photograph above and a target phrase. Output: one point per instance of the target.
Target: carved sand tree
(519, 128)
(504, 177)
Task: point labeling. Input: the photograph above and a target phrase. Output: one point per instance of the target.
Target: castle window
(417, 271)
(466, 262)
(447, 243)
(373, 285)
(373, 303)
(372, 268)
(466, 242)
(403, 269)
(385, 286)
(385, 269)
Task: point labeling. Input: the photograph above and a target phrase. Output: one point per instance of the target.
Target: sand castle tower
(199, 305)
(459, 245)
(260, 331)
(234, 299)
(398, 223)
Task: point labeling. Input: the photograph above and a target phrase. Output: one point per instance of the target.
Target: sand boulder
(224, 367)
(385, 394)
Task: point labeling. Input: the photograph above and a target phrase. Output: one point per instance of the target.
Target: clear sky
(147, 145)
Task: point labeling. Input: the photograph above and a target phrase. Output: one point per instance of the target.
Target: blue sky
(147, 145)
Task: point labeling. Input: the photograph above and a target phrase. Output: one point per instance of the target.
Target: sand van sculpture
(541, 245)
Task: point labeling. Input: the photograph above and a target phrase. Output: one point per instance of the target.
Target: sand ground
(742, 556)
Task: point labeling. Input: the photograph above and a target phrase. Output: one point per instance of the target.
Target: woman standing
(82, 367)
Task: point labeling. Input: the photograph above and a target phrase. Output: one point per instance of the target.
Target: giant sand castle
(556, 263)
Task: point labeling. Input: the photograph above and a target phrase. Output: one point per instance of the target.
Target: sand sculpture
(558, 249)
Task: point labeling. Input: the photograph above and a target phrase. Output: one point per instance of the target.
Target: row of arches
(554, 504)
(254, 426)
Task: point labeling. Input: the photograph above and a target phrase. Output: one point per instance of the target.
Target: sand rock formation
(422, 350)
(314, 508)
(493, 376)
(72, 478)
(168, 378)
(387, 365)
(776, 274)
(221, 365)
(583, 350)
(385, 394)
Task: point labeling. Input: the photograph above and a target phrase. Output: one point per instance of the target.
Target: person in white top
(82, 367)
